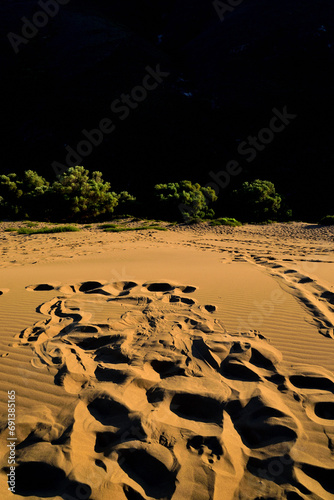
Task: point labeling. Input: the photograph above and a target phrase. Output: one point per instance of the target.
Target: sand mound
(168, 403)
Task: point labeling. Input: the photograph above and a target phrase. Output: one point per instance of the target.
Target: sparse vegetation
(47, 230)
(107, 226)
(328, 220)
(31, 224)
(226, 221)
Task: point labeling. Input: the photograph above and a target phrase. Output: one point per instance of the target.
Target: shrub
(82, 196)
(31, 224)
(226, 221)
(328, 220)
(184, 201)
(47, 230)
(79, 196)
(9, 195)
(126, 202)
(21, 195)
(257, 201)
(107, 226)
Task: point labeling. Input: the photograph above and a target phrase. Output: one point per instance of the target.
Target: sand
(195, 363)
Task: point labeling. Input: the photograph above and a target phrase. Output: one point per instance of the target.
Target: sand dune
(146, 388)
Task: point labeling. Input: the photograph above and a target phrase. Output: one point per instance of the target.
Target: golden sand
(195, 363)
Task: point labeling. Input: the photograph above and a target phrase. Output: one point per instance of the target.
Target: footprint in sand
(325, 410)
(43, 287)
(169, 404)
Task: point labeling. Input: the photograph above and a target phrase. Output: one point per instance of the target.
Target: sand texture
(194, 364)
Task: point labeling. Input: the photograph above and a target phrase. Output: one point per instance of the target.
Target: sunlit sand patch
(168, 403)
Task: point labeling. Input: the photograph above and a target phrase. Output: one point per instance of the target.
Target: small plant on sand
(328, 220)
(47, 230)
(31, 224)
(152, 227)
(107, 226)
(10, 229)
(226, 221)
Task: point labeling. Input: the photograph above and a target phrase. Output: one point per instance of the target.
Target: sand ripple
(169, 404)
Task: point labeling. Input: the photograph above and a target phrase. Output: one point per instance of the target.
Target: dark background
(264, 54)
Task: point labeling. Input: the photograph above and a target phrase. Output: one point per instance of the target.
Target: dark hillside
(225, 79)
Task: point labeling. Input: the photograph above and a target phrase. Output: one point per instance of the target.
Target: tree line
(80, 196)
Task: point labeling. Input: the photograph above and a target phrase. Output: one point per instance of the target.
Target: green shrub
(77, 195)
(107, 226)
(31, 224)
(10, 229)
(184, 201)
(257, 201)
(20, 196)
(328, 220)
(226, 221)
(154, 228)
(47, 230)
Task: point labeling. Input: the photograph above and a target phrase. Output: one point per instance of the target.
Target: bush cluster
(184, 200)
(81, 196)
(77, 195)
